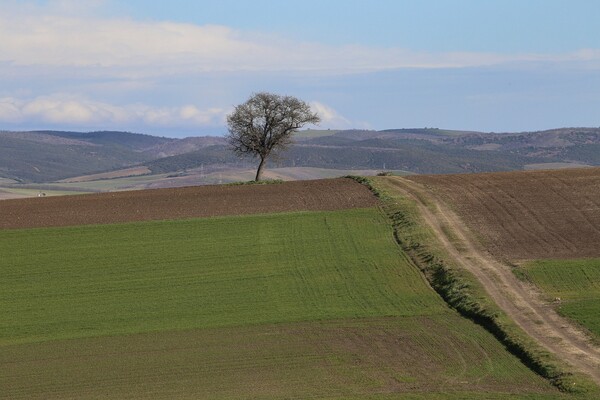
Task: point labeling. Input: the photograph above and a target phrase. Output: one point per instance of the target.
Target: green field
(296, 305)
(576, 283)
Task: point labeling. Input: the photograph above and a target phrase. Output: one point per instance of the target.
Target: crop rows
(298, 305)
(528, 215)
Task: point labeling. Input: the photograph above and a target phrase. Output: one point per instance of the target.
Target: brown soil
(362, 358)
(520, 301)
(186, 202)
(527, 215)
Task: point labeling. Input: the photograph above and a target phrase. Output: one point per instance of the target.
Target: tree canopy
(264, 124)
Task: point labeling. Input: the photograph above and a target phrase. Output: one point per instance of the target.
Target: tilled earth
(527, 215)
(186, 202)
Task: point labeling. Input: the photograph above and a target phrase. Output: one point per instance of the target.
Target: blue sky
(177, 68)
(441, 25)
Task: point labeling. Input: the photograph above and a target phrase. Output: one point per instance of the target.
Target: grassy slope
(576, 282)
(319, 304)
(226, 271)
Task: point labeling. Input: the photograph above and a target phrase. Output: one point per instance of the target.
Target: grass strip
(574, 286)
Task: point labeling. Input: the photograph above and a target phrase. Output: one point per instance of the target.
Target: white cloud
(192, 114)
(10, 110)
(71, 111)
(188, 115)
(52, 37)
(76, 49)
(330, 118)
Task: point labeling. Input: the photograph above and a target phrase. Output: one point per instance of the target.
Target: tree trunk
(259, 170)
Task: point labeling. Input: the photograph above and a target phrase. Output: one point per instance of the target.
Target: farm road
(521, 302)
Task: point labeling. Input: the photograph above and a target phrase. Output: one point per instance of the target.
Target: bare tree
(264, 124)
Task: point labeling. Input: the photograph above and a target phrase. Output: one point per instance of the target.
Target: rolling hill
(48, 156)
(530, 239)
(45, 156)
(528, 215)
(317, 301)
(546, 223)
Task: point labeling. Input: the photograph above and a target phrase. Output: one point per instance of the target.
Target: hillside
(47, 156)
(419, 151)
(530, 239)
(524, 216)
(300, 304)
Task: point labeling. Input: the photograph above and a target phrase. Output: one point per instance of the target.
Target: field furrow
(186, 202)
(319, 304)
(527, 215)
(512, 204)
(530, 219)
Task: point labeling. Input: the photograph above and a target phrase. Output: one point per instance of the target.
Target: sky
(176, 68)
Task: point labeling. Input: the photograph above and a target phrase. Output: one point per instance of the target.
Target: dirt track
(520, 301)
(527, 215)
(187, 202)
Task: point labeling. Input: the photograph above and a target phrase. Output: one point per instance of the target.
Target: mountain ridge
(44, 156)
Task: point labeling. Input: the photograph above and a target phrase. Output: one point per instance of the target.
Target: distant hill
(415, 150)
(131, 141)
(43, 156)
(186, 145)
(47, 156)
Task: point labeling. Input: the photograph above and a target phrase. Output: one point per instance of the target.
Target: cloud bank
(68, 110)
(137, 48)
(70, 64)
(72, 111)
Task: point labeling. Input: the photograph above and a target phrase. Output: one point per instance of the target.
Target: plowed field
(181, 203)
(528, 215)
(549, 223)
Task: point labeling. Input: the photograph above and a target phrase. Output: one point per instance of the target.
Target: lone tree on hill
(265, 124)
